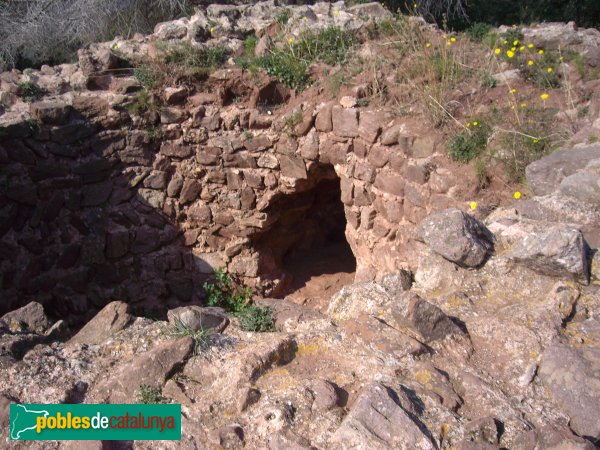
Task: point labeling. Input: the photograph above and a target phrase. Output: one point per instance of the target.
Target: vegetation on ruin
(148, 394)
(236, 299)
(179, 330)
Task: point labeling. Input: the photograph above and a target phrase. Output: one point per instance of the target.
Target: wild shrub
(179, 330)
(478, 31)
(148, 394)
(257, 319)
(469, 144)
(235, 299)
(290, 63)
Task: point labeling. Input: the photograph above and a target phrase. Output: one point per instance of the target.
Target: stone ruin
(100, 203)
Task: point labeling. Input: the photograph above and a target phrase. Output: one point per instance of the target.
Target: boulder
(344, 121)
(199, 318)
(559, 251)
(456, 236)
(112, 318)
(381, 419)
(573, 377)
(30, 317)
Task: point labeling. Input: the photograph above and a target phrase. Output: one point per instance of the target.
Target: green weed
(469, 144)
(148, 394)
(478, 31)
(257, 319)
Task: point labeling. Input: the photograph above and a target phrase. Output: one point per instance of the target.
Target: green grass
(180, 330)
(147, 76)
(148, 394)
(469, 144)
(538, 73)
(188, 56)
(522, 151)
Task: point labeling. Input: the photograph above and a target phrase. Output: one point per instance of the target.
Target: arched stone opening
(305, 251)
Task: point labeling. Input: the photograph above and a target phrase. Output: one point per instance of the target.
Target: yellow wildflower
(550, 70)
(530, 63)
(290, 40)
(515, 43)
(544, 96)
(448, 42)
(530, 46)
(428, 45)
(473, 205)
(535, 141)
(521, 48)
(497, 51)
(475, 124)
(453, 39)
(468, 124)
(510, 53)
(336, 12)
(541, 52)
(513, 91)
(517, 195)
(523, 105)
(514, 49)
(212, 29)
(505, 42)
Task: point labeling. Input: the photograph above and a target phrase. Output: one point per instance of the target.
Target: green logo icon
(95, 422)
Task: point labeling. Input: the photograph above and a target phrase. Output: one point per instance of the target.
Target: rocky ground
(488, 338)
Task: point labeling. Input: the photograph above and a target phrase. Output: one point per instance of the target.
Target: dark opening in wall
(307, 246)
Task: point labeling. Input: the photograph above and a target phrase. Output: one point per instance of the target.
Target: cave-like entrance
(307, 245)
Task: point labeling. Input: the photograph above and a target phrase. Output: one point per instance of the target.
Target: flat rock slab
(151, 368)
(545, 175)
(456, 236)
(573, 377)
(198, 318)
(378, 421)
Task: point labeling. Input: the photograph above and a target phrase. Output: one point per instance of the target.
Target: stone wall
(98, 203)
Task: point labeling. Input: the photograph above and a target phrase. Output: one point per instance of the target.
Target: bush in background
(39, 32)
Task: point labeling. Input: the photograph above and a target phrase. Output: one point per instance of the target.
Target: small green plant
(179, 330)
(29, 91)
(257, 318)
(283, 17)
(250, 44)
(512, 35)
(469, 144)
(292, 120)
(145, 102)
(489, 81)
(147, 76)
(478, 31)
(148, 394)
(481, 172)
(224, 292)
(154, 134)
(362, 102)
